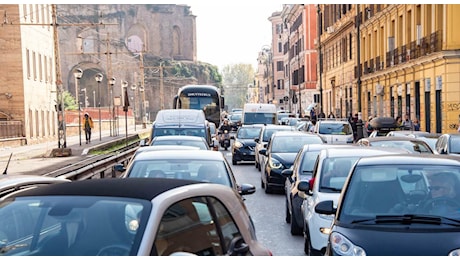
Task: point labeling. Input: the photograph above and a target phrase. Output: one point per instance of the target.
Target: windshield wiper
(6, 249)
(410, 219)
(330, 188)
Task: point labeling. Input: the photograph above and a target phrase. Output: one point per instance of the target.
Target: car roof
(178, 137)
(11, 183)
(178, 154)
(292, 133)
(166, 147)
(318, 147)
(252, 126)
(333, 121)
(391, 138)
(271, 126)
(347, 151)
(141, 188)
(412, 159)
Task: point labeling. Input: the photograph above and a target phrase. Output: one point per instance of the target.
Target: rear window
(335, 129)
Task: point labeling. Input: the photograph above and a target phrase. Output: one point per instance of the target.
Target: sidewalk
(29, 159)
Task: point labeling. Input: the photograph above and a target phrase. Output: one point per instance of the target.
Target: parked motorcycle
(225, 140)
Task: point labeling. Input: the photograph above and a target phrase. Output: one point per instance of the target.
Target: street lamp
(124, 86)
(141, 89)
(99, 78)
(78, 73)
(133, 88)
(111, 83)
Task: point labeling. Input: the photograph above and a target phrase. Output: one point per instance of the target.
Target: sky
(232, 32)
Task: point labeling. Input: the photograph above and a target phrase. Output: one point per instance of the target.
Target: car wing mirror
(325, 207)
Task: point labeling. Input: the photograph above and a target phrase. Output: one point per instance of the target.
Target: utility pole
(162, 102)
(62, 142)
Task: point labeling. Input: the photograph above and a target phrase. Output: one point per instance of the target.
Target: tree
(236, 78)
(69, 101)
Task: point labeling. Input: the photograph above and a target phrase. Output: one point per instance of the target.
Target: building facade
(28, 82)
(392, 60)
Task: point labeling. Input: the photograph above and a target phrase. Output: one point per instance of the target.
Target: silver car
(128, 217)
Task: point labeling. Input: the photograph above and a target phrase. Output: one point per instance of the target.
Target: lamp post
(141, 90)
(86, 97)
(99, 78)
(111, 83)
(134, 88)
(78, 73)
(124, 86)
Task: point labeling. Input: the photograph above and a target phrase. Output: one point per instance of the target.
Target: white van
(257, 113)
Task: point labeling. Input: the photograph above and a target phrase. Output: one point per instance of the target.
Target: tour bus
(258, 113)
(181, 122)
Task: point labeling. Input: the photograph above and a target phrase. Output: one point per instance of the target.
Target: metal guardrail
(97, 167)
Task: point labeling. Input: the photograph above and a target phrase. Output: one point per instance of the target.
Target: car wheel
(262, 184)
(259, 167)
(307, 244)
(296, 230)
(288, 215)
(308, 249)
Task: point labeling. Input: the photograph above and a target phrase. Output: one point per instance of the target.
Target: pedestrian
(322, 115)
(416, 125)
(87, 126)
(331, 115)
(368, 126)
(407, 123)
(313, 114)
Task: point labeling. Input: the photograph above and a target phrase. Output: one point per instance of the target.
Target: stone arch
(89, 83)
(136, 38)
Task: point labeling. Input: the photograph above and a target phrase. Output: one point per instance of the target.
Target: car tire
(262, 184)
(259, 167)
(308, 249)
(288, 215)
(296, 230)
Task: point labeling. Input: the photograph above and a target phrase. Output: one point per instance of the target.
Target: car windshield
(198, 170)
(248, 132)
(269, 132)
(292, 144)
(385, 190)
(334, 172)
(454, 144)
(180, 131)
(72, 225)
(201, 145)
(411, 146)
(335, 129)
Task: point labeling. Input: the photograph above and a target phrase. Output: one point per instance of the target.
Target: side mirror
(325, 207)
(256, 140)
(119, 168)
(287, 173)
(246, 189)
(263, 151)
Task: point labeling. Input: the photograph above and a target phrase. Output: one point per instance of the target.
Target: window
(196, 218)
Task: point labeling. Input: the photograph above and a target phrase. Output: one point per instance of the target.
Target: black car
(405, 204)
(281, 151)
(235, 120)
(244, 145)
(262, 140)
(448, 144)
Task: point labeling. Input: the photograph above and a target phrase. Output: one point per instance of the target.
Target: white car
(334, 131)
(329, 174)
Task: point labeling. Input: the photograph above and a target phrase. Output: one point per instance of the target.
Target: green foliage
(236, 79)
(69, 101)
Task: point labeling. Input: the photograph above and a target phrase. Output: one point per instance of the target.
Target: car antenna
(8, 163)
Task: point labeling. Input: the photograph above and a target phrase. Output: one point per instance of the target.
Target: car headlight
(342, 246)
(237, 144)
(275, 164)
(455, 252)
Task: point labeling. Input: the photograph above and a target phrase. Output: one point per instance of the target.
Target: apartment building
(27, 82)
(391, 60)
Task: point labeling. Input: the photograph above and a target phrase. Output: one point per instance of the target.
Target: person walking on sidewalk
(87, 126)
